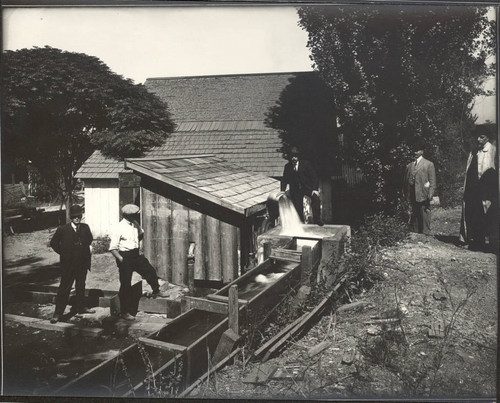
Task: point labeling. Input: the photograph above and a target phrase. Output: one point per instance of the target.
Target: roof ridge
(233, 75)
(146, 158)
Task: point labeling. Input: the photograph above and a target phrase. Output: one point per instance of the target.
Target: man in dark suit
(480, 203)
(301, 177)
(72, 242)
(420, 185)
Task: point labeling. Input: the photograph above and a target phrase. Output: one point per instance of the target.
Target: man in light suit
(480, 202)
(302, 180)
(420, 185)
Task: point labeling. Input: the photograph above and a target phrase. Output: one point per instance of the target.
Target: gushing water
(290, 220)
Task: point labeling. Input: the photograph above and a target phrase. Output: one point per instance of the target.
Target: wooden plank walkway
(44, 324)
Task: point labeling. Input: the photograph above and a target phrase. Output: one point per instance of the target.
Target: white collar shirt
(485, 159)
(74, 227)
(124, 237)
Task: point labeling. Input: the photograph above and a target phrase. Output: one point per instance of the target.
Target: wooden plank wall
(101, 205)
(170, 227)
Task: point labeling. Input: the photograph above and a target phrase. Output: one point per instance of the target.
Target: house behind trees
(220, 115)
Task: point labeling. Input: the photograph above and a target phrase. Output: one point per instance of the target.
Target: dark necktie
(78, 240)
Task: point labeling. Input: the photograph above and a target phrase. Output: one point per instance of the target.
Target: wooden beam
(156, 305)
(190, 266)
(224, 299)
(255, 209)
(305, 320)
(299, 324)
(306, 265)
(277, 337)
(162, 344)
(233, 309)
(352, 305)
(203, 304)
(67, 328)
(226, 344)
(267, 249)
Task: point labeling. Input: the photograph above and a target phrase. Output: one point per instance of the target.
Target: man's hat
(130, 209)
(418, 145)
(75, 211)
(294, 151)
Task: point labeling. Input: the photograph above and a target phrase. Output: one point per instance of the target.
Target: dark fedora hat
(75, 211)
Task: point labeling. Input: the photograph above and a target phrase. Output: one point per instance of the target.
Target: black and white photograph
(282, 200)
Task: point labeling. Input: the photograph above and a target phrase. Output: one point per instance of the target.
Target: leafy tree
(305, 118)
(59, 106)
(399, 75)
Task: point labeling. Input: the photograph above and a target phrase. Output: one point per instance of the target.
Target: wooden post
(306, 265)
(190, 266)
(326, 200)
(233, 309)
(267, 249)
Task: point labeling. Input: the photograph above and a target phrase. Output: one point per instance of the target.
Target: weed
(120, 363)
(100, 245)
(417, 370)
(358, 263)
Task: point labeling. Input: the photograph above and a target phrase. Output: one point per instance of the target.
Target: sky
(145, 42)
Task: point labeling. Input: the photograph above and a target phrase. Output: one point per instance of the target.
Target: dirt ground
(430, 281)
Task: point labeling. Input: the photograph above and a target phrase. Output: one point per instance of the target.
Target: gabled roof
(98, 166)
(223, 115)
(231, 97)
(211, 178)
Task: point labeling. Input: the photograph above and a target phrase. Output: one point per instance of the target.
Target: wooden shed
(202, 200)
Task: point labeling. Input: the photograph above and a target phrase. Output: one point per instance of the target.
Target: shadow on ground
(451, 239)
(22, 262)
(40, 275)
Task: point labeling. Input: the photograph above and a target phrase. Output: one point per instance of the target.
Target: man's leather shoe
(54, 319)
(127, 316)
(86, 310)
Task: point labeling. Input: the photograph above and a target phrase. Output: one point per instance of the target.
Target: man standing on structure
(124, 246)
(420, 185)
(302, 179)
(72, 242)
(480, 202)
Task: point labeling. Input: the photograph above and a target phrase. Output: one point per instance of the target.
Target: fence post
(233, 309)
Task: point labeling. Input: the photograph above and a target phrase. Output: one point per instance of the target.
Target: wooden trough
(168, 361)
(182, 351)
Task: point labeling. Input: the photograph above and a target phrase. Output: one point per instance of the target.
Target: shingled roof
(237, 97)
(211, 178)
(223, 115)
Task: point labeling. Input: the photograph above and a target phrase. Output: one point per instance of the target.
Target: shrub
(377, 231)
(100, 245)
(380, 231)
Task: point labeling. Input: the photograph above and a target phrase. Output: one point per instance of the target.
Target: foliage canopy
(400, 75)
(304, 117)
(59, 106)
